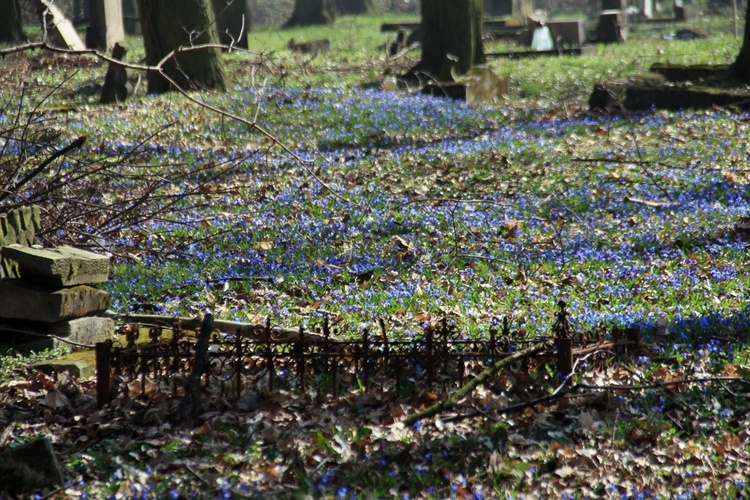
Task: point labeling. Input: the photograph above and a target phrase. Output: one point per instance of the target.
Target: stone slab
(21, 299)
(77, 367)
(88, 330)
(62, 266)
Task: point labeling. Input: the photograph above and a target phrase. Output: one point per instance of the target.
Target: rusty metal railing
(318, 360)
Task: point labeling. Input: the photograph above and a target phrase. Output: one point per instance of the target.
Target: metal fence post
(103, 374)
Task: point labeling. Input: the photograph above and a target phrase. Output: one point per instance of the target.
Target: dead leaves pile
(603, 443)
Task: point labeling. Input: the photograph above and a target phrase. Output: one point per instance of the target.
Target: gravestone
(613, 22)
(498, 8)
(570, 32)
(51, 300)
(519, 10)
(130, 18)
(106, 27)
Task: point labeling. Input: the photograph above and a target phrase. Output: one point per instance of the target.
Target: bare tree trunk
(740, 69)
(451, 38)
(308, 12)
(11, 23)
(169, 24)
(107, 27)
(233, 21)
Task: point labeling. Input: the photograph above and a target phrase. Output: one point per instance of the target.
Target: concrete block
(21, 299)
(62, 266)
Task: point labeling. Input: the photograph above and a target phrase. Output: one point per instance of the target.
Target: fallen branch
(615, 388)
(521, 406)
(453, 399)
(654, 204)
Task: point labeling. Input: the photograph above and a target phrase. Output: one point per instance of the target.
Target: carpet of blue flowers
(448, 208)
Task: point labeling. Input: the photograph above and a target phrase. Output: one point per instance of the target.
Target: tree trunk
(106, 28)
(170, 24)
(233, 21)
(11, 23)
(308, 12)
(451, 38)
(740, 69)
(344, 7)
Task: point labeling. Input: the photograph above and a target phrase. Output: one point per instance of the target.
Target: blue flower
(418, 426)
(342, 492)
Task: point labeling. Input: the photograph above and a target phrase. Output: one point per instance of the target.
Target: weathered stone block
(89, 330)
(62, 266)
(21, 299)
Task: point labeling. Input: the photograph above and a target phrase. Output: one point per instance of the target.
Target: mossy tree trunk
(309, 12)
(451, 38)
(740, 69)
(344, 7)
(11, 23)
(170, 24)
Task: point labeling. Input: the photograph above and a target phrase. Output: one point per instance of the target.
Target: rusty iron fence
(318, 360)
